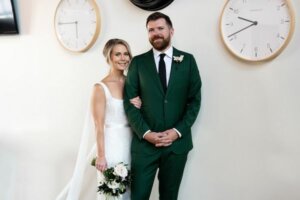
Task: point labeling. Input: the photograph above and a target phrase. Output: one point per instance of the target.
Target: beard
(162, 44)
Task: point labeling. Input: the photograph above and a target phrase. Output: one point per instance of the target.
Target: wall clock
(151, 5)
(77, 24)
(256, 30)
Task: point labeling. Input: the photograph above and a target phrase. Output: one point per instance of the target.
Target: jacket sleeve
(131, 90)
(193, 101)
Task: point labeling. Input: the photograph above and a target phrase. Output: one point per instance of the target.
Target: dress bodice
(114, 111)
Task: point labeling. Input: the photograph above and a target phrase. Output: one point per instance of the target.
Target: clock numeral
(279, 7)
(242, 49)
(269, 47)
(271, 50)
(229, 24)
(235, 11)
(233, 37)
(280, 36)
(282, 21)
(255, 51)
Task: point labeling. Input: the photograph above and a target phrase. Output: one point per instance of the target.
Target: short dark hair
(158, 15)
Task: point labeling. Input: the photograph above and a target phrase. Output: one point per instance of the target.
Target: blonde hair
(110, 44)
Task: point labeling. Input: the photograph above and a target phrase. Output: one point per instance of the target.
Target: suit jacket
(177, 108)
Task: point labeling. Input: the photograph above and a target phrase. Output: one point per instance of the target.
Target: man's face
(159, 34)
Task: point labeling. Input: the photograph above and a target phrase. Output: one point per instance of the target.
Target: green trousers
(144, 168)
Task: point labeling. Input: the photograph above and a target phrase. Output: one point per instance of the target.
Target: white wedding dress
(117, 134)
(117, 138)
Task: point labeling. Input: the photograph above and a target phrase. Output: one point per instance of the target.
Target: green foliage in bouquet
(114, 181)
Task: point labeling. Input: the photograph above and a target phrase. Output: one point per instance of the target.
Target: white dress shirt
(167, 59)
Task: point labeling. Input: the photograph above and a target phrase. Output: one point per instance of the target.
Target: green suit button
(166, 101)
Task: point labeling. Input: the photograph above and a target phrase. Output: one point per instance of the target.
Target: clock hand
(246, 20)
(253, 24)
(76, 29)
(63, 23)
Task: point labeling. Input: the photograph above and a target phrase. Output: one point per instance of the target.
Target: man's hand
(156, 138)
(162, 139)
(168, 137)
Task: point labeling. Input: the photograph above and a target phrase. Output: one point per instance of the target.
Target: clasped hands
(162, 139)
(159, 139)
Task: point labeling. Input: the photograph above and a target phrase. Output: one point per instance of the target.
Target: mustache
(157, 37)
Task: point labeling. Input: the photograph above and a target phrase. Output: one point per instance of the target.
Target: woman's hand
(136, 101)
(101, 163)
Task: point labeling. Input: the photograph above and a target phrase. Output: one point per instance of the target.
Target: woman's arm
(98, 112)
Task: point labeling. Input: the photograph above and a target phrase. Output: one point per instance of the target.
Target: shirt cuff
(179, 134)
(146, 133)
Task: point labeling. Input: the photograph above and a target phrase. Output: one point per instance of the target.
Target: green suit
(177, 108)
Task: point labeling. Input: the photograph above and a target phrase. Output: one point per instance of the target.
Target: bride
(113, 134)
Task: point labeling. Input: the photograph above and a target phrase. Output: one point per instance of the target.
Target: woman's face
(120, 57)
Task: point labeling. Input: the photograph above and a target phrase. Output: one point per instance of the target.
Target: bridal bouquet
(114, 180)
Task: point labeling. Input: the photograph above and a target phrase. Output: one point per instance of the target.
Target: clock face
(77, 24)
(256, 30)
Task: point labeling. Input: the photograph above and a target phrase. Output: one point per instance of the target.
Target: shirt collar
(168, 52)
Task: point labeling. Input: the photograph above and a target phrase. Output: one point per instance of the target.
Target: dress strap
(106, 90)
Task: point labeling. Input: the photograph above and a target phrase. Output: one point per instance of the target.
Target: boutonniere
(178, 59)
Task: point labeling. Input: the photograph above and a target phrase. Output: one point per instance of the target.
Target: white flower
(120, 170)
(178, 58)
(113, 185)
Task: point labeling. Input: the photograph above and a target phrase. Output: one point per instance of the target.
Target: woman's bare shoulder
(98, 90)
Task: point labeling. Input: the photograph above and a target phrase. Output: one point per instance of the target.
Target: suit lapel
(152, 71)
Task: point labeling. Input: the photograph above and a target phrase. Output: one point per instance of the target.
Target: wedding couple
(145, 119)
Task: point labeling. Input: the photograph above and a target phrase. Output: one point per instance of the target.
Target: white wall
(246, 138)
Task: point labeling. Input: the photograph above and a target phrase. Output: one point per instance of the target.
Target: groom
(168, 82)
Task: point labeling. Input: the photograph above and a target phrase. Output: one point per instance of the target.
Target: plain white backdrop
(246, 137)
